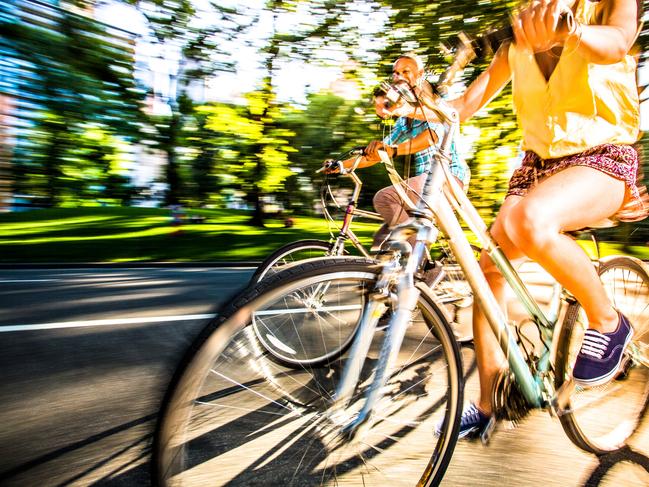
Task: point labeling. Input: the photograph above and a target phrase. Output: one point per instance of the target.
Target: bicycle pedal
(486, 434)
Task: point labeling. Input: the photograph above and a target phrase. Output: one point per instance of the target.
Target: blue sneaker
(601, 354)
(472, 424)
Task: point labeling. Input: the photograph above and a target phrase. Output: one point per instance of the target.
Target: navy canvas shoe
(601, 354)
(472, 424)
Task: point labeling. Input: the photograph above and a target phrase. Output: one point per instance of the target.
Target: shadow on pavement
(607, 462)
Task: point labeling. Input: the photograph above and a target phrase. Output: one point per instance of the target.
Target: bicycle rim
(606, 418)
(236, 418)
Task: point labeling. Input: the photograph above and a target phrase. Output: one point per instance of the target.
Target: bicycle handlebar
(468, 49)
(357, 152)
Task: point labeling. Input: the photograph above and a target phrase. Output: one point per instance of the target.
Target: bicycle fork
(404, 307)
(408, 297)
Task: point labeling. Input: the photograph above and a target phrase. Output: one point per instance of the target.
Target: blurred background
(134, 130)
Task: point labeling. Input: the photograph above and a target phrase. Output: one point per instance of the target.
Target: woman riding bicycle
(576, 101)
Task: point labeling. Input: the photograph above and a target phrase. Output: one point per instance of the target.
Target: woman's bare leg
(569, 200)
(489, 357)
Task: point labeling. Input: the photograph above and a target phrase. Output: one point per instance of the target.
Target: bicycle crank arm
(561, 399)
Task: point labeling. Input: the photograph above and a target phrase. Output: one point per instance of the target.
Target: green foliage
(497, 150)
(73, 72)
(325, 128)
(88, 106)
(242, 138)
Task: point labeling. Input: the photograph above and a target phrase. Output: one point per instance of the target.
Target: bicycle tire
(221, 405)
(289, 254)
(270, 338)
(453, 291)
(603, 419)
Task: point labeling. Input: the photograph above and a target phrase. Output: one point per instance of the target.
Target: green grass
(143, 234)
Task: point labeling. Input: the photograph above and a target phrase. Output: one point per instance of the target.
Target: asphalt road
(86, 355)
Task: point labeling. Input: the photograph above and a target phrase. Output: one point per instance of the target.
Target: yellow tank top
(581, 106)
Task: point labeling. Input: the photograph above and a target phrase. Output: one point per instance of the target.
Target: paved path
(79, 401)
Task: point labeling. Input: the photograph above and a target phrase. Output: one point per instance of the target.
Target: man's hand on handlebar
(373, 148)
(351, 160)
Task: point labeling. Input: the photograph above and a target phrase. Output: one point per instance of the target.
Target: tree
(326, 127)
(68, 71)
(244, 141)
(197, 48)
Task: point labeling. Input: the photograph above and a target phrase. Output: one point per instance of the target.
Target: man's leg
(389, 205)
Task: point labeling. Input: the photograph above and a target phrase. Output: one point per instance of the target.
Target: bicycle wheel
(603, 419)
(233, 417)
(289, 254)
(454, 291)
(274, 339)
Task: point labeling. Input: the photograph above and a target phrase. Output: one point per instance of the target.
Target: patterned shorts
(618, 161)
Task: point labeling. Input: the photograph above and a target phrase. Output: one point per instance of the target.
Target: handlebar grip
(490, 42)
(467, 49)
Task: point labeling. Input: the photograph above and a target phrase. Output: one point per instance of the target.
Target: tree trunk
(173, 179)
(52, 166)
(256, 194)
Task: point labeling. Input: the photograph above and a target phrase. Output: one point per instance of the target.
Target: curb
(83, 265)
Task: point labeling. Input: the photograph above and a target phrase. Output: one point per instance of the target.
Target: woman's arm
(610, 42)
(485, 87)
(605, 43)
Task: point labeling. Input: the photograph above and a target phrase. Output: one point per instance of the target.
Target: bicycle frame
(454, 199)
(345, 232)
(441, 199)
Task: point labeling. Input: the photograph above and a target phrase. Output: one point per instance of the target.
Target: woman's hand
(540, 27)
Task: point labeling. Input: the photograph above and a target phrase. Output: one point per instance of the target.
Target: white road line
(2, 281)
(123, 321)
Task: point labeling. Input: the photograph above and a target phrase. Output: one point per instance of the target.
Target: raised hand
(543, 24)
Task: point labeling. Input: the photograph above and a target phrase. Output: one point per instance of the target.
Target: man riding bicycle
(408, 136)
